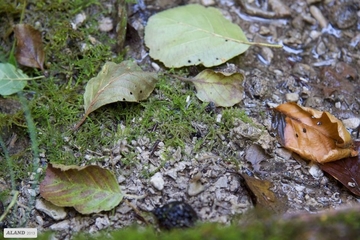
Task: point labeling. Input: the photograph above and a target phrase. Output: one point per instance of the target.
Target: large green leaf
(89, 189)
(12, 80)
(192, 35)
(220, 88)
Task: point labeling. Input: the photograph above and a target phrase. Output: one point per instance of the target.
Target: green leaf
(118, 82)
(89, 189)
(12, 80)
(192, 35)
(220, 88)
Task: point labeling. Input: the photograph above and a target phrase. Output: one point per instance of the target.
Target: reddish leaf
(89, 189)
(29, 47)
(314, 135)
(346, 171)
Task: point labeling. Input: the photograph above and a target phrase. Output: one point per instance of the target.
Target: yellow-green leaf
(125, 82)
(118, 82)
(222, 89)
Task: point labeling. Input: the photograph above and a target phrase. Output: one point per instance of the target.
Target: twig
(12, 203)
(137, 212)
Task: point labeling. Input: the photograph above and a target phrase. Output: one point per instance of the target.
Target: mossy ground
(56, 101)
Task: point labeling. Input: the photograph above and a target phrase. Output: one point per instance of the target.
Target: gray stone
(157, 181)
(55, 212)
(60, 226)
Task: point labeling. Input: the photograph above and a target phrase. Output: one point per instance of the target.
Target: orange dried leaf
(314, 135)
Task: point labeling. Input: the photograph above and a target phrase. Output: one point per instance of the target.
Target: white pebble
(155, 66)
(208, 2)
(317, 14)
(79, 19)
(218, 118)
(157, 181)
(55, 212)
(315, 171)
(351, 123)
(292, 97)
(222, 182)
(195, 188)
(105, 24)
(60, 226)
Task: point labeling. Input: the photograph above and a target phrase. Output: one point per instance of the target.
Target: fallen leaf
(346, 171)
(314, 135)
(12, 80)
(89, 189)
(255, 155)
(220, 88)
(117, 82)
(193, 35)
(341, 79)
(263, 197)
(29, 47)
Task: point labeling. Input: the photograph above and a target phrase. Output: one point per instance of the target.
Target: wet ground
(317, 67)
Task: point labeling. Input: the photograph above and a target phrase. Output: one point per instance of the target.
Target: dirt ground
(317, 67)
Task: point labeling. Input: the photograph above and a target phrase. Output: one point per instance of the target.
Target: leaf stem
(262, 44)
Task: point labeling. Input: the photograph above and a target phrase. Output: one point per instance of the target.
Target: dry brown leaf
(263, 197)
(314, 135)
(29, 47)
(255, 155)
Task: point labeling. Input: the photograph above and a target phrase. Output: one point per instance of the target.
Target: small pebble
(60, 226)
(39, 220)
(79, 19)
(218, 118)
(222, 182)
(55, 212)
(155, 66)
(344, 15)
(105, 24)
(157, 181)
(317, 14)
(264, 31)
(351, 123)
(195, 188)
(315, 34)
(338, 105)
(292, 97)
(315, 171)
(102, 222)
(321, 48)
(267, 54)
(208, 2)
